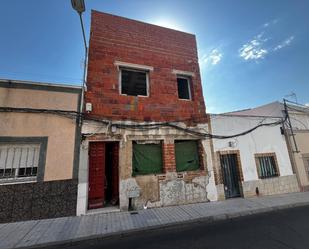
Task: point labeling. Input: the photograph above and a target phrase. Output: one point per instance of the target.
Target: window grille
(267, 166)
(19, 161)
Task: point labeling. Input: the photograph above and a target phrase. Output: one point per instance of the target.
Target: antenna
(292, 95)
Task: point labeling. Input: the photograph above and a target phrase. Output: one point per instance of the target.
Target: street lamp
(79, 6)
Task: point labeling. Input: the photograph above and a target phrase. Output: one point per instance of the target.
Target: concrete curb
(207, 219)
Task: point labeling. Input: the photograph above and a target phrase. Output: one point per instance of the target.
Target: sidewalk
(72, 229)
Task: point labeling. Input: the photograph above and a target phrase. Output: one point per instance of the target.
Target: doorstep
(102, 210)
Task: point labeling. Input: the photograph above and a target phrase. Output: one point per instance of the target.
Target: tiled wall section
(37, 200)
(271, 186)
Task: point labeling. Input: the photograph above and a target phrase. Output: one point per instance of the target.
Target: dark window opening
(26, 172)
(187, 156)
(267, 167)
(7, 173)
(147, 158)
(133, 82)
(183, 85)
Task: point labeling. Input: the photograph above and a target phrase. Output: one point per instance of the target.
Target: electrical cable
(140, 127)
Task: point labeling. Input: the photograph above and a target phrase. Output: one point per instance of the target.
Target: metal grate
(19, 160)
(267, 167)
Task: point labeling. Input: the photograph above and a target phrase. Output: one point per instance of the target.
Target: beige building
(39, 149)
(299, 118)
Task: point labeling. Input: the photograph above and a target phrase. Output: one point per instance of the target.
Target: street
(279, 229)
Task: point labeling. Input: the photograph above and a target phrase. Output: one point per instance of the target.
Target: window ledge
(18, 180)
(132, 65)
(138, 96)
(185, 73)
(270, 177)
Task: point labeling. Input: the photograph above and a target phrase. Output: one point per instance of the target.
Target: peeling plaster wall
(171, 188)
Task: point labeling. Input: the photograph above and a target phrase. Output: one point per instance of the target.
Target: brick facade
(116, 38)
(169, 162)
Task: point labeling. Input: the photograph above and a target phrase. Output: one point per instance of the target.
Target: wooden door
(96, 192)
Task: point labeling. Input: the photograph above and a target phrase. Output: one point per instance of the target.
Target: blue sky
(251, 52)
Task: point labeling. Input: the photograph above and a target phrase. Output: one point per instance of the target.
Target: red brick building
(141, 74)
(164, 54)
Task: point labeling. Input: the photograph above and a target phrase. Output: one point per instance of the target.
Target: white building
(256, 163)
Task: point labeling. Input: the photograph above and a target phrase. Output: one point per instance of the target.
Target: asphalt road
(280, 229)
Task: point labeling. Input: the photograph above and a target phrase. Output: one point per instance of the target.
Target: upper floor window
(134, 82)
(183, 84)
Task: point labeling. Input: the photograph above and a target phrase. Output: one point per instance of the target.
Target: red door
(96, 175)
(115, 174)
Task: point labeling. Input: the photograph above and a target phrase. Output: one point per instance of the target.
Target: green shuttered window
(147, 159)
(187, 157)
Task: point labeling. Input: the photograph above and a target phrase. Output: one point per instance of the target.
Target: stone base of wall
(271, 186)
(38, 200)
(305, 188)
(220, 192)
(166, 190)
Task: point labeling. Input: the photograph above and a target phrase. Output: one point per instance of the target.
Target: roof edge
(23, 84)
(101, 12)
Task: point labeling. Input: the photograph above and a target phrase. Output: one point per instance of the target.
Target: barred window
(267, 166)
(19, 161)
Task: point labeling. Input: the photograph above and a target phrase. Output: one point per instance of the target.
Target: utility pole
(79, 6)
(290, 126)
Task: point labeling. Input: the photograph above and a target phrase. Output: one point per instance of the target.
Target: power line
(140, 127)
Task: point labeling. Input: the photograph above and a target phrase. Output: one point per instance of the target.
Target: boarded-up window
(19, 160)
(267, 166)
(187, 157)
(183, 84)
(147, 158)
(134, 82)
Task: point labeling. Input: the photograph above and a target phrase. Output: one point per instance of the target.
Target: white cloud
(272, 22)
(285, 43)
(254, 49)
(213, 58)
(307, 104)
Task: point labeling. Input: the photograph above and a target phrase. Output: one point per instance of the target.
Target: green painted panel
(186, 153)
(147, 159)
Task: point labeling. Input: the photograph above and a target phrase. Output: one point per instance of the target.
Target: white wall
(263, 140)
(299, 121)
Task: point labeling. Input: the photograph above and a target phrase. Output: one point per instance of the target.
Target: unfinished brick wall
(168, 152)
(115, 38)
